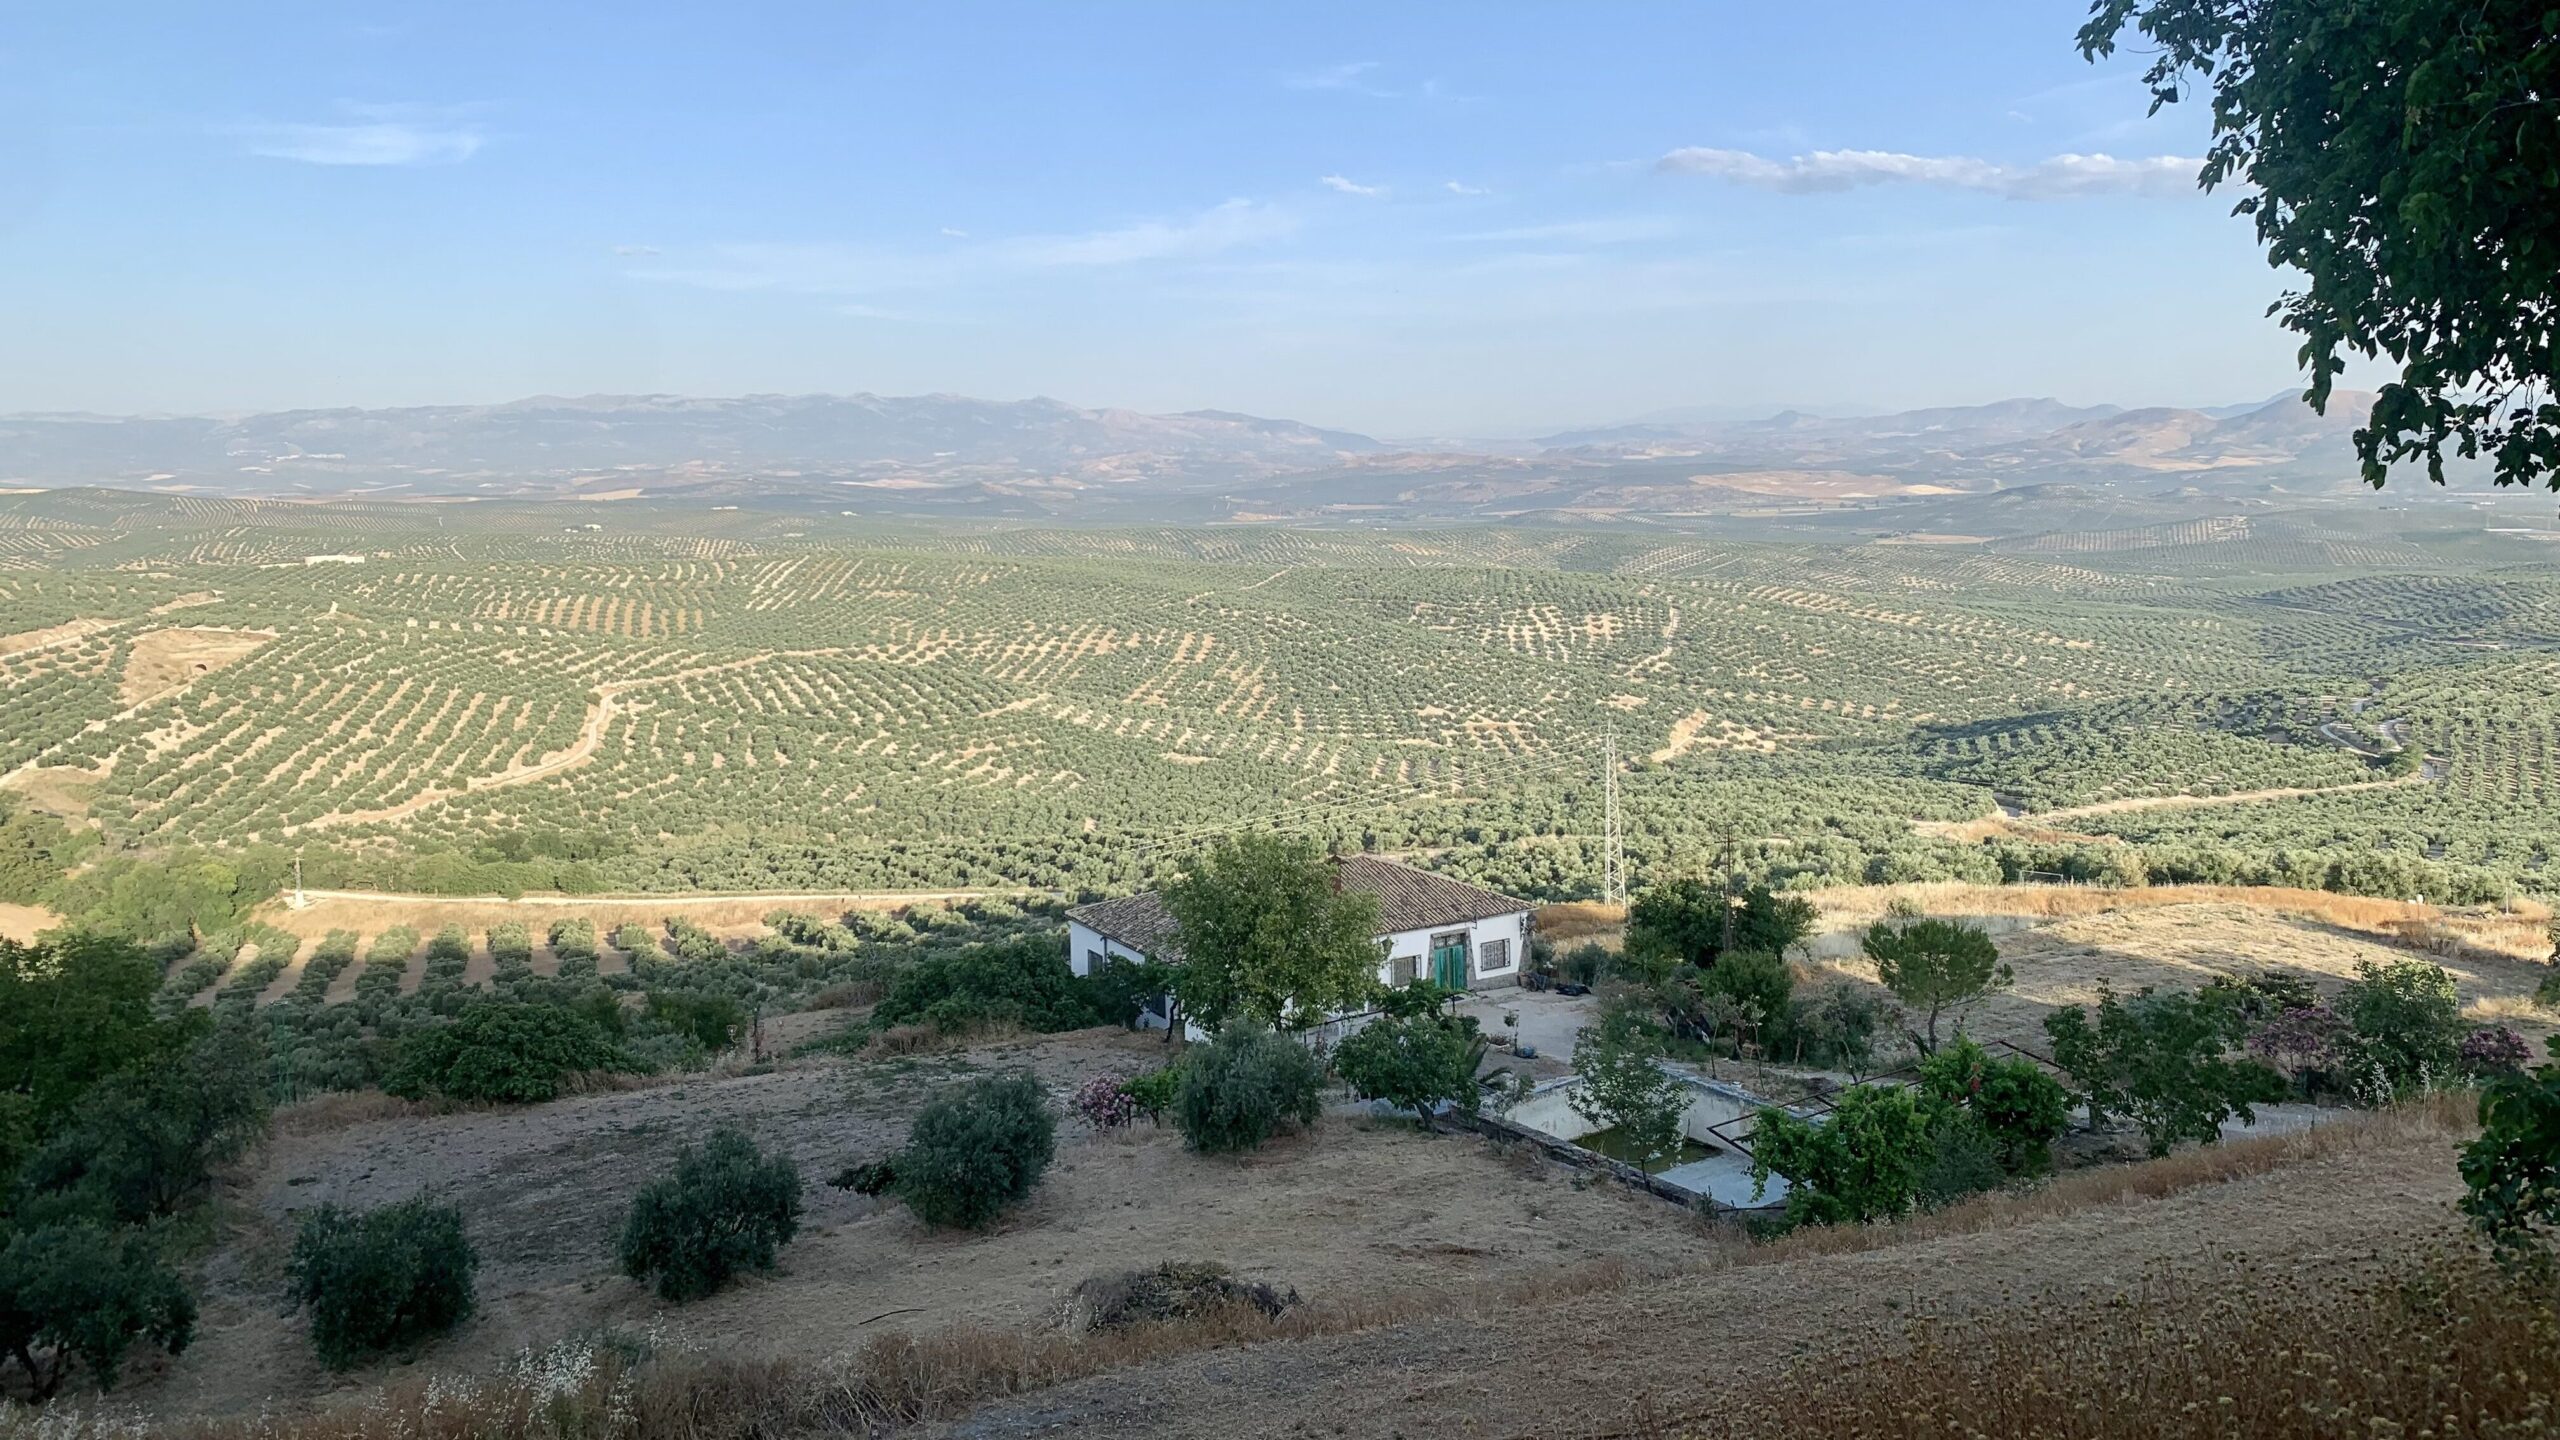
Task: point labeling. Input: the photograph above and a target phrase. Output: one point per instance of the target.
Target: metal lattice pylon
(1613, 857)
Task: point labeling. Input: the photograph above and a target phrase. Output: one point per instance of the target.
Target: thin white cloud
(830, 269)
(955, 233)
(1460, 187)
(635, 250)
(1347, 76)
(1351, 187)
(373, 135)
(2058, 177)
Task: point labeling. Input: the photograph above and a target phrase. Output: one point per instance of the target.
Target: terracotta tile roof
(1138, 921)
(1408, 899)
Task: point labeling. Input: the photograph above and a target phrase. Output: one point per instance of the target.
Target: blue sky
(1410, 219)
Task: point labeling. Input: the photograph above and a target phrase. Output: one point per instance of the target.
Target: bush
(1121, 990)
(2163, 1061)
(976, 1152)
(1866, 1160)
(2408, 1026)
(1023, 982)
(1761, 988)
(503, 1050)
(83, 1291)
(2306, 1042)
(1153, 1091)
(710, 1022)
(1837, 1025)
(1104, 1103)
(2020, 1109)
(381, 1280)
(1242, 1087)
(727, 1207)
(2511, 1174)
(1415, 1062)
(2492, 1051)
(1964, 1160)
(144, 1144)
(1174, 1290)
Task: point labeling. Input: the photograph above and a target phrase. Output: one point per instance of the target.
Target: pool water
(1610, 1143)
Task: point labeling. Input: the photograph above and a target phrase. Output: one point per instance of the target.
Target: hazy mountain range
(935, 453)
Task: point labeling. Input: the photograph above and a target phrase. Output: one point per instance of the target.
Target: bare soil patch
(160, 661)
(371, 912)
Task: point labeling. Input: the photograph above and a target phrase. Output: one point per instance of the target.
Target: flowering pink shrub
(2494, 1050)
(2306, 1037)
(1105, 1103)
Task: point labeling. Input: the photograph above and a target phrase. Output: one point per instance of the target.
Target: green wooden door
(1449, 961)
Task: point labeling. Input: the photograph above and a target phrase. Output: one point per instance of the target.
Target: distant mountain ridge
(1044, 456)
(552, 434)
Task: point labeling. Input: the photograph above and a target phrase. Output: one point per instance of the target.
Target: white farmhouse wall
(1084, 944)
(1414, 946)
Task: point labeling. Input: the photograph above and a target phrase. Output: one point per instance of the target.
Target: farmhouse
(1430, 927)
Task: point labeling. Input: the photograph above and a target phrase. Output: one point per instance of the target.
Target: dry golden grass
(2441, 1345)
(588, 1389)
(1576, 920)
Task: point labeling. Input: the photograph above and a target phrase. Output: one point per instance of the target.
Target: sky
(1412, 219)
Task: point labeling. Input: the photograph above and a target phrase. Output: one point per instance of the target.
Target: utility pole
(1613, 859)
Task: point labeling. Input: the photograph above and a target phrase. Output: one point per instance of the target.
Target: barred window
(1493, 956)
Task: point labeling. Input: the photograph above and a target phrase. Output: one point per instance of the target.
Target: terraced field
(500, 698)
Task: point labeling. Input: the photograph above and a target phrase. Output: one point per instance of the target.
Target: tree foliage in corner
(2512, 1172)
(1267, 938)
(2405, 157)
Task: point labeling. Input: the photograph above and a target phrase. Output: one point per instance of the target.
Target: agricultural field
(460, 698)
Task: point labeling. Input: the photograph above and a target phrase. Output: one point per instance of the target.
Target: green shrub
(1153, 1091)
(1964, 1159)
(84, 1291)
(2408, 1027)
(711, 1022)
(976, 1151)
(2021, 1110)
(726, 1207)
(503, 1050)
(2164, 1061)
(1415, 1061)
(2511, 1173)
(1241, 1087)
(1866, 1160)
(381, 1280)
(144, 1144)
(1023, 982)
(1760, 987)
(1121, 990)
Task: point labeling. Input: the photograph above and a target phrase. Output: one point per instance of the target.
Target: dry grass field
(1357, 1211)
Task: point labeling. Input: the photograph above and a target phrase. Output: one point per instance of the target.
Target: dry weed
(2443, 1345)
